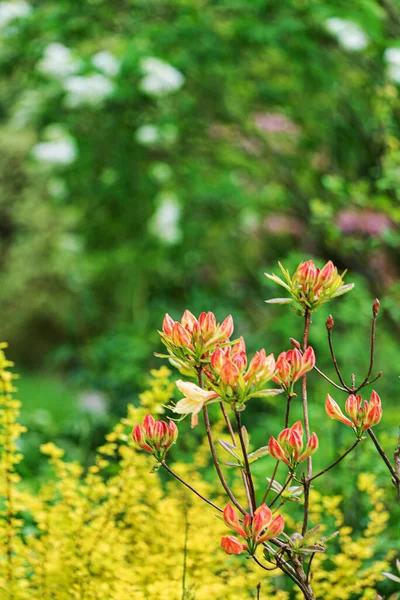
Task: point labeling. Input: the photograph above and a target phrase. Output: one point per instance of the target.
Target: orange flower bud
(180, 336)
(217, 358)
(232, 520)
(375, 307)
(333, 411)
(311, 448)
(189, 321)
(274, 529)
(276, 451)
(148, 424)
(229, 373)
(167, 325)
(226, 328)
(231, 545)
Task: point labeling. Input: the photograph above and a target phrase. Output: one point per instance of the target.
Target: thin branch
(228, 423)
(337, 460)
(309, 567)
(289, 479)
(387, 462)
(342, 389)
(171, 472)
(264, 498)
(306, 484)
(335, 361)
(253, 503)
(214, 453)
(372, 349)
(232, 434)
(287, 414)
(216, 462)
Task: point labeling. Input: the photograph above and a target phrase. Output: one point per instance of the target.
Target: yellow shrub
(113, 532)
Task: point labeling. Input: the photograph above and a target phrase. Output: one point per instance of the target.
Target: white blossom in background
(26, 109)
(59, 148)
(91, 90)
(147, 135)
(349, 34)
(160, 78)
(13, 10)
(392, 57)
(58, 61)
(106, 62)
(164, 223)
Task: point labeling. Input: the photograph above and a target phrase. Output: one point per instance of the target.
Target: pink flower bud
(229, 373)
(160, 430)
(217, 359)
(231, 545)
(333, 411)
(188, 321)
(328, 271)
(167, 325)
(308, 359)
(226, 327)
(180, 336)
(311, 448)
(172, 435)
(275, 529)
(139, 438)
(148, 424)
(295, 442)
(209, 325)
(276, 451)
(232, 520)
(352, 406)
(262, 518)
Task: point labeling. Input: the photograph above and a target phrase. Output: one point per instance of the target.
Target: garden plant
(202, 349)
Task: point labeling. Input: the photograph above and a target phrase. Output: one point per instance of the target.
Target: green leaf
(253, 456)
(245, 436)
(265, 393)
(278, 280)
(343, 290)
(279, 301)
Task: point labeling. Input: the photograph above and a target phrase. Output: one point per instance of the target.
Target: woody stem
(214, 454)
(306, 480)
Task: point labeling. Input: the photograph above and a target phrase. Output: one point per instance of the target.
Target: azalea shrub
(216, 363)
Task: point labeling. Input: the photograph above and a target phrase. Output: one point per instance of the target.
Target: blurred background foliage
(159, 155)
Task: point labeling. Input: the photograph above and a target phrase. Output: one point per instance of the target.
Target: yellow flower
(195, 399)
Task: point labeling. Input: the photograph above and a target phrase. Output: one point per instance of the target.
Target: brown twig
(171, 472)
(253, 503)
(335, 363)
(270, 482)
(336, 461)
(306, 483)
(396, 478)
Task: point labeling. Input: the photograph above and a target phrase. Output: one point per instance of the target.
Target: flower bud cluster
(156, 437)
(228, 376)
(190, 341)
(255, 530)
(289, 445)
(291, 366)
(310, 286)
(362, 415)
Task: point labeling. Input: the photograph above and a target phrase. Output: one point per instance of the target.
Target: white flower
(392, 57)
(62, 152)
(13, 10)
(91, 90)
(58, 61)
(58, 149)
(195, 399)
(106, 62)
(160, 78)
(147, 134)
(349, 34)
(165, 221)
